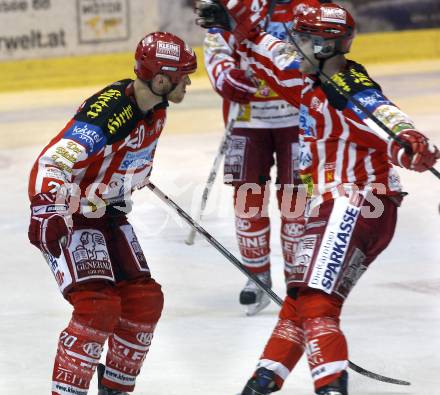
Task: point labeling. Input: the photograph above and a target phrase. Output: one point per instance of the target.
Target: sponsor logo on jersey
(138, 159)
(89, 136)
(117, 120)
(305, 156)
(101, 102)
(306, 122)
(168, 50)
(65, 154)
(371, 99)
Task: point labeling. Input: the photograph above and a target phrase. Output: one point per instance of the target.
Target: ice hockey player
(80, 189)
(347, 162)
(266, 126)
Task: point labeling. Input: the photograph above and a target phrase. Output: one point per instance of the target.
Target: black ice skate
(102, 390)
(263, 383)
(253, 297)
(339, 387)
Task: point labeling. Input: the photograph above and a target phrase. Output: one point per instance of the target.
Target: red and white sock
(252, 227)
(326, 349)
(128, 347)
(291, 231)
(78, 353)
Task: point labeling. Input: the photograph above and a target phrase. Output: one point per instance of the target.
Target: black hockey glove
(212, 14)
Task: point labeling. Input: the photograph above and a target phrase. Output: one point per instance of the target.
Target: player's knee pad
(96, 305)
(142, 300)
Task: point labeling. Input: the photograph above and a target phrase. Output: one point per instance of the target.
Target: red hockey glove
(423, 155)
(234, 85)
(245, 15)
(48, 224)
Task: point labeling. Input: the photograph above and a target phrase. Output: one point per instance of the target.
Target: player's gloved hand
(423, 155)
(211, 14)
(246, 16)
(241, 18)
(48, 224)
(234, 85)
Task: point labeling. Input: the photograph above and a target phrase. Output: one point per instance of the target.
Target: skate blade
(254, 309)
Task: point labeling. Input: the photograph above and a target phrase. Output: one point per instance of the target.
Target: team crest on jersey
(316, 104)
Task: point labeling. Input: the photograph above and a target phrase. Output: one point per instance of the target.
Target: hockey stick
(373, 121)
(231, 258)
(214, 169)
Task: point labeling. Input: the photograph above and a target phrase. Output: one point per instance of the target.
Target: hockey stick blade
(376, 376)
(231, 258)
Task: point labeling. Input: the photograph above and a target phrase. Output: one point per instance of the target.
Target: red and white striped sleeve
(218, 50)
(274, 61)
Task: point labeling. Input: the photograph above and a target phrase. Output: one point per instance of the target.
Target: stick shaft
(214, 170)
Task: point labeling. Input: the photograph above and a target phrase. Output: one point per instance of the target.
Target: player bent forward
(347, 162)
(106, 151)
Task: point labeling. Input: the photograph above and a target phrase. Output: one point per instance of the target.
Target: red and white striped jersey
(103, 153)
(340, 146)
(267, 109)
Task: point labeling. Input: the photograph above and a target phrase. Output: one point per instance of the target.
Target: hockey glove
(48, 224)
(212, 14)
(241, 18)
(420, 157)
(234, 85)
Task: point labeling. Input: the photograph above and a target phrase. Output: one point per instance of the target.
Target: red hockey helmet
(164, 53)
(328, 21)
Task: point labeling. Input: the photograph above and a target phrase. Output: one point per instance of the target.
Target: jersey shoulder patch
(110, 109)
(351, 81)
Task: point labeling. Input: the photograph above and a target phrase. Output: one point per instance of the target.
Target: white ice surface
(204, 344)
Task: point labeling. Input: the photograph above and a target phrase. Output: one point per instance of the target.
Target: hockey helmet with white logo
(325, 23)
(164, 53)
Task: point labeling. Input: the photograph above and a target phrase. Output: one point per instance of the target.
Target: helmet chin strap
(323, 60)
(163, 96)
